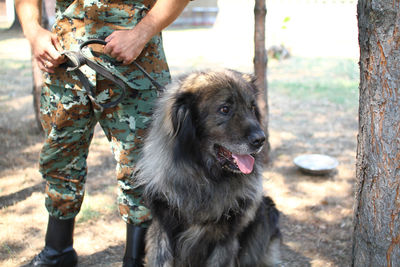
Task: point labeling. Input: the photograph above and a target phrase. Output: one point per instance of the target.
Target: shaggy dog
(201, 174)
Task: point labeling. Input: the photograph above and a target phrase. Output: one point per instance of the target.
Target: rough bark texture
(260, 66)
(37, 75)
(37, 82)
(376, 214)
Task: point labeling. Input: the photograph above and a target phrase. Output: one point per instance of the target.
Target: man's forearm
(163, 13)
(29, 12)
(125, 46)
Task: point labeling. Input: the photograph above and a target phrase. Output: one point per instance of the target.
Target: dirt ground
(316, 211)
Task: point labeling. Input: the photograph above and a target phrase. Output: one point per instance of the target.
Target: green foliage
(326, 79)
(285, 22)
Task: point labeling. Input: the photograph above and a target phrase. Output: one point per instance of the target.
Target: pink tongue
(244, 162)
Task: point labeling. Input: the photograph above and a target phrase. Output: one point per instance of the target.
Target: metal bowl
(316, 164)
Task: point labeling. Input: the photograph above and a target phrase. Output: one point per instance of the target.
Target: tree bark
(37, 82)
(376, 236)
(37, 75)
(260, 67)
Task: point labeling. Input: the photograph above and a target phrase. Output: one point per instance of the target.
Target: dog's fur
(206, 211)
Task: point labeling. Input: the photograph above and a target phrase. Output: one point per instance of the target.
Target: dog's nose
(257, 138)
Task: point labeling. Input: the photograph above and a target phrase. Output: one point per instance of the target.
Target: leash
(76, 59)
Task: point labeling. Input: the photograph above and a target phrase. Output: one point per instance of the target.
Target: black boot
(58, 250)
(134, 249)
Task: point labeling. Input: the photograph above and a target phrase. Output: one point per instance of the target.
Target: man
(131, 29)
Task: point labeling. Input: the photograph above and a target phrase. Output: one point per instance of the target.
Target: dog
(201, 175)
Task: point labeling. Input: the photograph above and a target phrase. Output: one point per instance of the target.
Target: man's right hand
(46, 49)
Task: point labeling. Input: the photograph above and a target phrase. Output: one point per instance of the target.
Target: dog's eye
(224, 110)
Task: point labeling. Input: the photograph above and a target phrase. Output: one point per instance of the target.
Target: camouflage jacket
(79, 20)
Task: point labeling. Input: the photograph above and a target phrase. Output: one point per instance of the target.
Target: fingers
(109, 38)
(48, 62)
(45, 66)
(56, 43)
(121, 56)
(121, 47)
(125, 58)
(127, 62)
(112, 49)
(56, 58)
(49, 54)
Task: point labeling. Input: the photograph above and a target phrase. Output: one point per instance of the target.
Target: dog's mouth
(234, 162)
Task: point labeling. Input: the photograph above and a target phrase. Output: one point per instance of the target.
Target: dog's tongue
(244, 162)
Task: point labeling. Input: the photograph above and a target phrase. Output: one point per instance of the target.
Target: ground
(312, 109)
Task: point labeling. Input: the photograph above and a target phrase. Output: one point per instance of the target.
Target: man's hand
(126, 45)
(46, 49)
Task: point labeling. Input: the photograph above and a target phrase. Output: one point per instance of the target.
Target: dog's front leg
(158, 249)
(224, 254)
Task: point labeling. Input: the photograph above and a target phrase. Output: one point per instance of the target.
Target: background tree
(37, 75)
(376, 237)
(260, 66)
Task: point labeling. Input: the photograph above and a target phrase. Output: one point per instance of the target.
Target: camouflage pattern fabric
(69, 118)
(80, 20)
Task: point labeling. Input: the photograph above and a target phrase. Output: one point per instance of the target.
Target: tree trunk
(37, 75)
(260, 67)
(376, 237)
(37, 82)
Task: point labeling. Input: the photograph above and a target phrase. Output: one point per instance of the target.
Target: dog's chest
(224, 223)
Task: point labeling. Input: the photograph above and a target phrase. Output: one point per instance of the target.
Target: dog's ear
(252, 80)
(181, 113)
(183, 118)
(249, 78)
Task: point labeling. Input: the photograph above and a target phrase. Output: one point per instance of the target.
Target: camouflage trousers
(69, 118)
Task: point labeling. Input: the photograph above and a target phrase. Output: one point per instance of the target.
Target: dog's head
(215, 120)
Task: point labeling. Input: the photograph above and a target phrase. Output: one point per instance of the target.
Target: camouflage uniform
(69, 118)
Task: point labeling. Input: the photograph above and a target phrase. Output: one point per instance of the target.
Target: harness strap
(77, 59)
